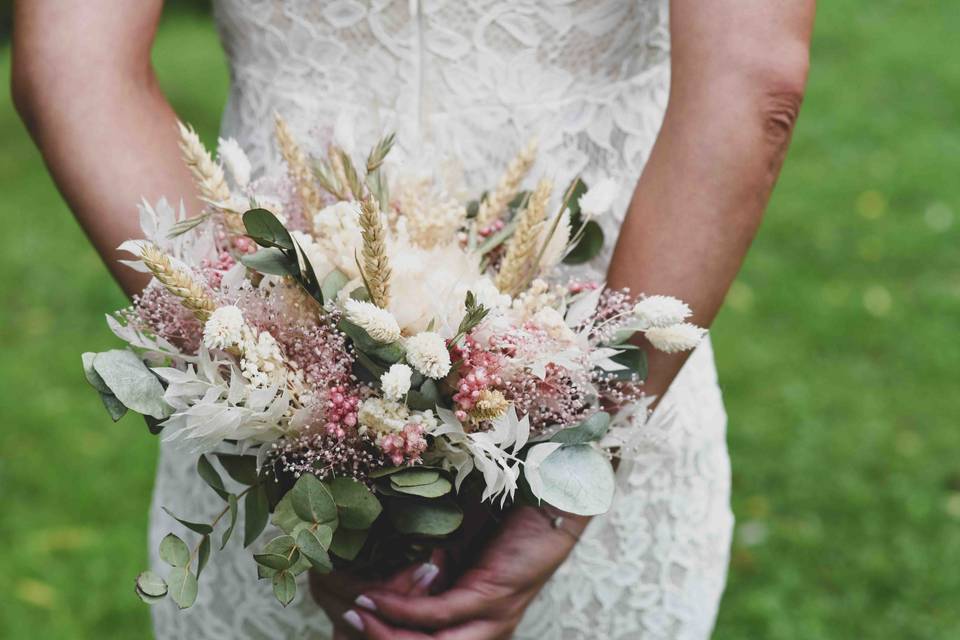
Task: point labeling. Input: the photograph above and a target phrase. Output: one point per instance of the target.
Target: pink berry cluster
(341, 412)
(214, 269)
(406, 446)
(479, 371)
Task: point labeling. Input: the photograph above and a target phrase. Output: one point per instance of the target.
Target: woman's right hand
(337, 592)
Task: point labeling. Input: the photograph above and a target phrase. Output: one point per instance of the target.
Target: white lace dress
(475, 79)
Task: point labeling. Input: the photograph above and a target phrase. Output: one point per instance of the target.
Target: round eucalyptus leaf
(311, 501)
(589, 245)
(174, 551)
(310, 547)
(284, 587)
(356, 504)
(577, 479)
(437, 488)
(183, 587)
(151, 584)
(413, 477)
(427, 518)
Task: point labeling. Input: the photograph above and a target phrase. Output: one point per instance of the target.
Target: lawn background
(837, 348)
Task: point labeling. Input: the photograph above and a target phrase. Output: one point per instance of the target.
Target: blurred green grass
(837, 353)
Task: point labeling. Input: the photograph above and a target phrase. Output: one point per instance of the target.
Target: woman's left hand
(488, 601)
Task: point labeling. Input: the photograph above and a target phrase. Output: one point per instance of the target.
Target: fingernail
(352, 618)
(366, 603)
(423, 576)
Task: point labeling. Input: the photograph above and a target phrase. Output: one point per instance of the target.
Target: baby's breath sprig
(299, 167)
(376, 267)
(518, 264)
(192, 294)
(494, 205)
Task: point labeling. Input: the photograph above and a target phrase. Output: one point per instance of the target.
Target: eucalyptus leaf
(590, 430)
(436, 489)
(356, 505)
(256, 513)
(174, 551)
(91, 374)
(129, 379)
(209, 475)
(284, 517)
(232, 506)
(151, 600)
(199, 527)
(310, 546)
(412, 477)
(271, 261)
(273, 561)
(577, 188)
(151, 584)
(311, 501)
(635, 361)
(266, 230)
(284, 587)
(332, 283)
(114, 407)
(589, 245)
(577, 479)
(426, 518)
(183, 586)
(243, 469)
(347, 543)
(203, 554)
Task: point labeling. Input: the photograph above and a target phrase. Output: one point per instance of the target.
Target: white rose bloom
(429, 285)
(428, 354)
(660, 311)
(553, 323)
(379, 323)
(599, 198)
(236, 161)
(337, 230)
(224, 328)
(396, 381)
(674, 338)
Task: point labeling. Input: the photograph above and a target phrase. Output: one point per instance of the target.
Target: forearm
(700, 199)
(104, 128)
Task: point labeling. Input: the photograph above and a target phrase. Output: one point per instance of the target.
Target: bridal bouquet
(366, 355)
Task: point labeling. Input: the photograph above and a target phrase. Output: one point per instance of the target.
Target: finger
(375, 629)
(477, 630)
(447, 609)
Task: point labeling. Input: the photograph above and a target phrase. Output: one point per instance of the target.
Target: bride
(689, 103)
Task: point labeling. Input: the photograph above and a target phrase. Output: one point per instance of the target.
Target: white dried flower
(224, 328)
(262, 361)
(379, 323)
(233, 157)
(396, 381)
(551, 321)
(556, 247)
(660, 311)
(428, 354)
(382, 416)
(674, 338)
(599, 198)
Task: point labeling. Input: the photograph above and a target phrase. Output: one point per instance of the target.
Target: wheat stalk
(207, 173)
(299, 168)
(521, 251)
(192, 294)
(376, 267)
(494, 205)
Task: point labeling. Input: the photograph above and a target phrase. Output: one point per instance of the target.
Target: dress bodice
(471, 80)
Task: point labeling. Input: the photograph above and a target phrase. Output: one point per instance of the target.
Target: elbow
(779, 86)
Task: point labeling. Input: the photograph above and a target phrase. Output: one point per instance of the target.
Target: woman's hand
(488, 601)
(337, 592)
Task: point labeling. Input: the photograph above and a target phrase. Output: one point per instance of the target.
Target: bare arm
(739, 69)
(84, 85)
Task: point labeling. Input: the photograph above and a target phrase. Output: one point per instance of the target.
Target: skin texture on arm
(739, 69)
(84, 85)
